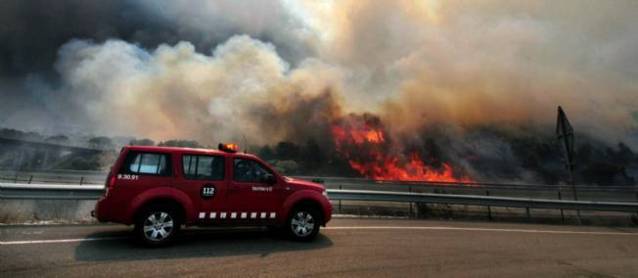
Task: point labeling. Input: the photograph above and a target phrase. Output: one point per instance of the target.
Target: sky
(265, 71)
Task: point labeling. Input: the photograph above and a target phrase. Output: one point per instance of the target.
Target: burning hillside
(363, 141)
(453, 90)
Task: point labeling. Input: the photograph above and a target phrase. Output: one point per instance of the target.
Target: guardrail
(492, 201)
(98, 177)
(345, 182)
(58, 191)
(50, 191)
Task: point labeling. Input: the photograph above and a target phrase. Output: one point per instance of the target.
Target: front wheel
(303, 224)
(157, 225)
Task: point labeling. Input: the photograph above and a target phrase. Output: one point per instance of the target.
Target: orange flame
(367, 151)
(358, 136)
(390, 168)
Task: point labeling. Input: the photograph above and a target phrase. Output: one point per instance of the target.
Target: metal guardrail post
(339, 201)
(411, 210)
(81, 180)
(30, 179)
(489, 208)
(562, 214)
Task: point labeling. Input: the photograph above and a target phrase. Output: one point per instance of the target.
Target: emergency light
(228, 147)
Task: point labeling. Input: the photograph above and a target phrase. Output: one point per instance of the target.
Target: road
(348, 247)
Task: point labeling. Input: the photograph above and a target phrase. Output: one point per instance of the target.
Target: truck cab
(160, 189)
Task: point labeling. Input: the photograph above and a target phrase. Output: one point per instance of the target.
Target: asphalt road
(349, 247)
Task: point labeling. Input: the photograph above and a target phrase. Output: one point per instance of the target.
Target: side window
(246, 170)
(147, 164)
(203, 167)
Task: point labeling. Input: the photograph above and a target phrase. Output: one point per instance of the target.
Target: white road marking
(434, 228)
(21, 242)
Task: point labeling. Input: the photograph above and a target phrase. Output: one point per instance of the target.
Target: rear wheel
(303, 224)
(157, 225)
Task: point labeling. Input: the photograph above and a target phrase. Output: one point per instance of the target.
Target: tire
(157, 225)
(303, 224)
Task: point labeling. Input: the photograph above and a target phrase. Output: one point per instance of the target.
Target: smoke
(491, 62)
(285, 70)
(34, 31)
(243, 90)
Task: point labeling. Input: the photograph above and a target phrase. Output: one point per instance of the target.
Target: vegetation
(507, 156)
(181, 143)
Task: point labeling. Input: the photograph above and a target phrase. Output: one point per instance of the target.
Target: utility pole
(565, 134)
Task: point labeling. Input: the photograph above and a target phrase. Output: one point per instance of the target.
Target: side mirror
(269, 179)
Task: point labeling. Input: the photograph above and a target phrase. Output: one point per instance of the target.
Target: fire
(362, 141)
(358, 136)
(390, 168)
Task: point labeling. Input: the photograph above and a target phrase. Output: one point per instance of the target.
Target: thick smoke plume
(262, 72)
(232, 94)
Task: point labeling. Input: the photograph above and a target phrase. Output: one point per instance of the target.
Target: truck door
(142, 171)
(254, 195)
(204, 182)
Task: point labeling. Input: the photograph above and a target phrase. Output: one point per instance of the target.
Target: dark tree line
(488, 154)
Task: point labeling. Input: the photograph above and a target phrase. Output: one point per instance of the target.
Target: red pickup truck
(159, 189)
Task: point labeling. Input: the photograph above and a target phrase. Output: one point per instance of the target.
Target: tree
(57, 139)
(266, 152)
(101, 142)
(142, 142)
(180, 143)
(311, 154)
(287, 151)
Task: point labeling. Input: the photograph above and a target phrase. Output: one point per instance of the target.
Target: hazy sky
(218, 70)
